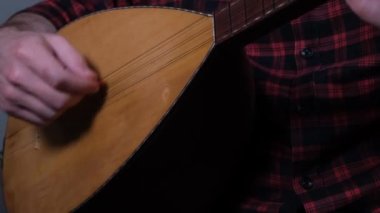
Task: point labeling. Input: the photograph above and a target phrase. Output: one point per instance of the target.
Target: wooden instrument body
(146, 57)
(127, 149)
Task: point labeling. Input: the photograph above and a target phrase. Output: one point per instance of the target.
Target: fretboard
(238, 15)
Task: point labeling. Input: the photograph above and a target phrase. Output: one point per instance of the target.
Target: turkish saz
(113, 152)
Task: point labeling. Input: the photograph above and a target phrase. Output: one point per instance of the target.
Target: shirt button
(301, 110)
(307, 53)
(306, 183)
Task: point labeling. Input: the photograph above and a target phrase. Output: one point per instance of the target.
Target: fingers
(41, 76)
(37, 103)
(46, 65)
(53, 98)
(70, 57)
(28, 116)
(20, 104)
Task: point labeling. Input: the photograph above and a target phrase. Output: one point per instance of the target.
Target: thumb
(70, 57)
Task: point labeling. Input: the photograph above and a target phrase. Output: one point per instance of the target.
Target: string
(259, 11)
(120, 80)
(230, 22)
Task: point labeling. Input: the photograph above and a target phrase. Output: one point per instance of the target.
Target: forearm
(29, 22)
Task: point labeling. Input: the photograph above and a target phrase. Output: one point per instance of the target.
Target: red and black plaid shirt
(317, 82)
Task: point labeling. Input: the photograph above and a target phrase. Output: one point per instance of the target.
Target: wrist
(28, 22)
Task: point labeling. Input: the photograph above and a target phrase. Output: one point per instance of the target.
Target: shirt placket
(304, 115)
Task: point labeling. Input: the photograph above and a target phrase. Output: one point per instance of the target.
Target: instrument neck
(239, 15)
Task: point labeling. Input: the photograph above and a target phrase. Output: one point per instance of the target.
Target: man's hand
(368, 10)
(41, 75)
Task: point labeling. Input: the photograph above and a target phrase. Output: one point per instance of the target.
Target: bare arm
(41, 74)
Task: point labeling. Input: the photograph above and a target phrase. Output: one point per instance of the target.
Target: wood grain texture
(146, 57)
